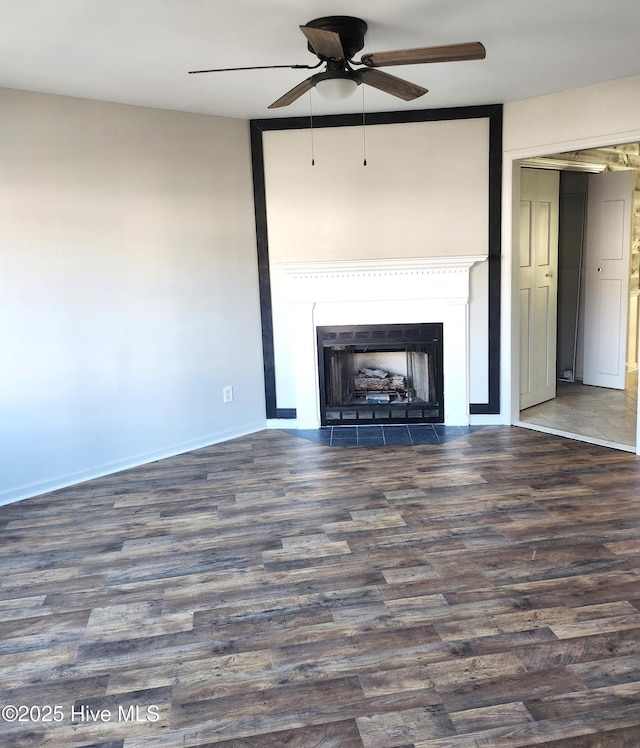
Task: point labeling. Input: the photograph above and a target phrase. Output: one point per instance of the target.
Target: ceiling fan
(336, 39)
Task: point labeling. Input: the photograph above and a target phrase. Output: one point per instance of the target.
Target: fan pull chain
(364, 133)
(313, 159)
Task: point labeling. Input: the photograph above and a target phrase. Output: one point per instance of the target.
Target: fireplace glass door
(381, 374)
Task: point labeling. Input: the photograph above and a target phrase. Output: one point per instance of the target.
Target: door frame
(510, 291)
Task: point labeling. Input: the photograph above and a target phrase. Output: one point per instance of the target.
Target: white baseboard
(282, 423)
(487, 419)
(30, 490)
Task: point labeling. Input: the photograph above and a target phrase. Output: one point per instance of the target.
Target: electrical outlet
(227, 394)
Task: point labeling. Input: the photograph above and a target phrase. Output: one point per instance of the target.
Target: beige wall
(128, 287)
(423, 192)
(603, 114)
(127, 252)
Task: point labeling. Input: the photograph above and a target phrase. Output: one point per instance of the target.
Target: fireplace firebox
(381, 374)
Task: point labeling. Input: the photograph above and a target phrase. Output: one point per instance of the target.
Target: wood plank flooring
(271, 591)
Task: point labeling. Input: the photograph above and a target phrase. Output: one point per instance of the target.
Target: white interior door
(608, 246)
(539, 206)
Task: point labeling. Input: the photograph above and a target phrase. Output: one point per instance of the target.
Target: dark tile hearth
(383, 436)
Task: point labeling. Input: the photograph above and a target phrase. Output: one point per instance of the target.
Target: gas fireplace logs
(377, 380)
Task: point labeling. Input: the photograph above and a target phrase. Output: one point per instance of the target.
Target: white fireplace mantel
(368, 292)
(386, 279)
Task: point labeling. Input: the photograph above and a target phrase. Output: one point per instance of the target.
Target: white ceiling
(139, 51)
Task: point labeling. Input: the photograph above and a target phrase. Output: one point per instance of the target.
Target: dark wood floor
(271, 591)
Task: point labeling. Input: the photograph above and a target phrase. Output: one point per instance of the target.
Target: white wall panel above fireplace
(424, 191)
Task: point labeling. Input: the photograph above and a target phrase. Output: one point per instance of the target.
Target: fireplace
(380, 374)
(392, 294)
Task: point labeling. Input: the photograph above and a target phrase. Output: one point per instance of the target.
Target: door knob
(548, 275)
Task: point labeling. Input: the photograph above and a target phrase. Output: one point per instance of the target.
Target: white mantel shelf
(387, 291)
(401, 268)
(395, 266)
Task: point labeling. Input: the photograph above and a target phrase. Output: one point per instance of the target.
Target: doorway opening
(603, 410)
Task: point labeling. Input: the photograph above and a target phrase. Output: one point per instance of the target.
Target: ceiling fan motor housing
(350, 30)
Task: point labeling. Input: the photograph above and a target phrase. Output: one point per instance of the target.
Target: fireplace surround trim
(406, 290)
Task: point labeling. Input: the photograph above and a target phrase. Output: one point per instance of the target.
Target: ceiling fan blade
(256, 67)
(292, 95)
(391, 85)
(445, 53)
(325, 43)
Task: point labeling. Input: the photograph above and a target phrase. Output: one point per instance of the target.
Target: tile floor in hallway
(595, 412)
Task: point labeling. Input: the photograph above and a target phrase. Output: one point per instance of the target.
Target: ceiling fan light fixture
(335, 86)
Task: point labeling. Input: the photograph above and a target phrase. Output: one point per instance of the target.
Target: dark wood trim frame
(491, 112)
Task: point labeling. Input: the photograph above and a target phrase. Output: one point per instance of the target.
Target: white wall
(588, 117)
(606, 114)
(128, 287)
(423, 193)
